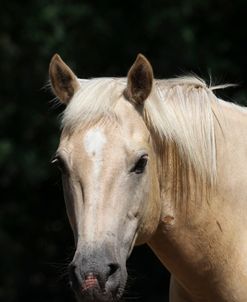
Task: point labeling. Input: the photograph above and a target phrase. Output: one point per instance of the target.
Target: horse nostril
(113, 267)
(73, 275)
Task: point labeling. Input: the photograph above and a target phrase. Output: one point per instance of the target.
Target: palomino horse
(161, 162)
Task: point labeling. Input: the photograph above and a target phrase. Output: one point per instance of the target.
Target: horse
(161, 162)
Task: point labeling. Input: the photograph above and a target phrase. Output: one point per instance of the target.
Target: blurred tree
(97, 38)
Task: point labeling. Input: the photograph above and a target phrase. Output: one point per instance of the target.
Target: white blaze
(93, 142)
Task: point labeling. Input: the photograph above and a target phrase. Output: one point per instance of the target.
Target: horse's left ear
(139, 80)
(64, 82)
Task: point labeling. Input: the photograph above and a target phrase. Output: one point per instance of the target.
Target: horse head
(109, 172)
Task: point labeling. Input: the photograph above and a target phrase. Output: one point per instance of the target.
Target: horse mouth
(92, 289)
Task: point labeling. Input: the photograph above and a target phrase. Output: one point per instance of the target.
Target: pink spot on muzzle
(89, 282)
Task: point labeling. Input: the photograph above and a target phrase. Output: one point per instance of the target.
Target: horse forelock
(95, 100)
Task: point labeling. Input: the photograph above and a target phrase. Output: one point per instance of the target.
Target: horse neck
(200, 219)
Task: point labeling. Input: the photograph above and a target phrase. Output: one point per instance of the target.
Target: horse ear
(139, 80)
(64, 82)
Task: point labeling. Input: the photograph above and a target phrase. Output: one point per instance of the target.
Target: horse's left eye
(140, 165)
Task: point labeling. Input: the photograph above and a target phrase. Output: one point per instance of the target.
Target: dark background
(96, 38)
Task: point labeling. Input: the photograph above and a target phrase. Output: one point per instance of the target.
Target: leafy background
(96, 38)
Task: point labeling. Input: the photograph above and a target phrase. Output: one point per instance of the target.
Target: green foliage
(96, 38)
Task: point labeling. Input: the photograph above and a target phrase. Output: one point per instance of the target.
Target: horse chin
(97, 295)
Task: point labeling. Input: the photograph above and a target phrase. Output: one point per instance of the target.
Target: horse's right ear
(64, 82)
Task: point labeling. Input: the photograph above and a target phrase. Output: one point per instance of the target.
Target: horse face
(110, 185)
(109, 179)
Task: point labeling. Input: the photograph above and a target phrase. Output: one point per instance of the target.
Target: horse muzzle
(96, 277)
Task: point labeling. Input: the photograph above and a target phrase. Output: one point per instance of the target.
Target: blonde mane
(180, 112)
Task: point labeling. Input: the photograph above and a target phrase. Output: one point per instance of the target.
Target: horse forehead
(97, 140)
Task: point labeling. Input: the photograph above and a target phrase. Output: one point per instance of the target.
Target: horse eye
(58, 162)
(140, 165)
